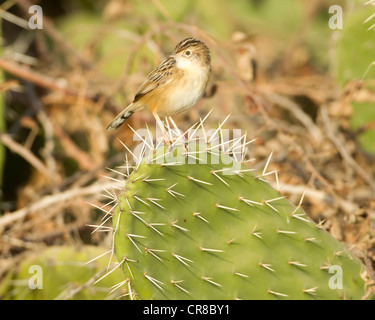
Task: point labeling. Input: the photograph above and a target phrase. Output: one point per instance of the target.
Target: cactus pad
(63, 274)
(215, 230)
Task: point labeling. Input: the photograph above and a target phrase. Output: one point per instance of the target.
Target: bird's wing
(159, 76)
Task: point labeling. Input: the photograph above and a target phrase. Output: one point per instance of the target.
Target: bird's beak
(172, 56)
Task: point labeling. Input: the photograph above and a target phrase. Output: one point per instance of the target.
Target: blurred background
(305, 89)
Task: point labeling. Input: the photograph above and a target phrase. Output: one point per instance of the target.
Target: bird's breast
(186, 89)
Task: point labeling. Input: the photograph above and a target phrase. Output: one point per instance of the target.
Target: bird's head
(191, 50)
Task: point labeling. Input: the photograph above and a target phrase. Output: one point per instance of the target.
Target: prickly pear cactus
(61, 272)
(214, 230)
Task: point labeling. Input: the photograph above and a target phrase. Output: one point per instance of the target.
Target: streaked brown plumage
(173, 86)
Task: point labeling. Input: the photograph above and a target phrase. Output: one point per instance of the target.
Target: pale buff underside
(176, 95)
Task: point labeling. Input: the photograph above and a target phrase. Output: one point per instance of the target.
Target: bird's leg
(174, 124)
(169, 131)
(161, 126)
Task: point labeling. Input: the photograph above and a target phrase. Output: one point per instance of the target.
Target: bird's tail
(121, 117)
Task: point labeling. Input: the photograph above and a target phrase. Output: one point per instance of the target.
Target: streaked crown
(196, 47)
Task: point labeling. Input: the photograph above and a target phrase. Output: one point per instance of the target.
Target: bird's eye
(187, 53)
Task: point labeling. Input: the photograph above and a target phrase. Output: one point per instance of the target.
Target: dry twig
(52, 200)
(24, 153)
(342, 150)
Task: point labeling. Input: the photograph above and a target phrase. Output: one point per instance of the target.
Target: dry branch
(342, 150)
(38, 79)
(55, 199)
(24, 153)
(297, 112)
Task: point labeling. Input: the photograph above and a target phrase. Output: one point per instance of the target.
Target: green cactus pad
(215, 230)
(62, 271)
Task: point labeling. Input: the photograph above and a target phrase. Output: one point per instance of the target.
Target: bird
(174, 86)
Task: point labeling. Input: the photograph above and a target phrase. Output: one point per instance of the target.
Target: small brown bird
(174, 86)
